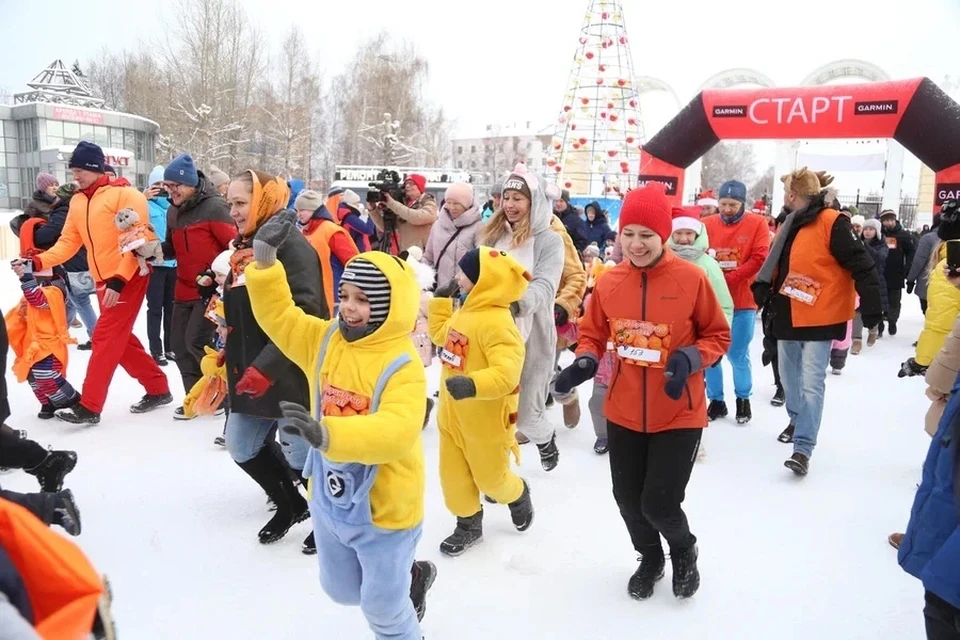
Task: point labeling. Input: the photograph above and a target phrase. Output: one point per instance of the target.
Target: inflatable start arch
(915, 113)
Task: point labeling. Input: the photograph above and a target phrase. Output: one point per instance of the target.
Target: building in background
(40, 130)
(491, 154)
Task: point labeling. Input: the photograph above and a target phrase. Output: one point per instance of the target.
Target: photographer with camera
(404, 226)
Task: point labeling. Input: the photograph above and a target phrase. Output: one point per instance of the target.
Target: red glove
(253, 383)
(222, 358)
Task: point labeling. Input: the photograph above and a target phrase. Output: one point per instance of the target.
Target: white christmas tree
(595, 149)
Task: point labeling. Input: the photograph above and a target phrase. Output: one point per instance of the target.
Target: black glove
(302, 424)
(761, 293)
(461, 387)
(678, 370)
(910, 368)
(560, 316)
(514, 309)
(871, 320)
(207, 284)
(582, 369)
(910, 286)
(447, 290)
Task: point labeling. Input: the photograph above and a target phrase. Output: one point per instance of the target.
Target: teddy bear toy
(138, 237)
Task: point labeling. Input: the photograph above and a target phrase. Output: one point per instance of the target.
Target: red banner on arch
(870, 110)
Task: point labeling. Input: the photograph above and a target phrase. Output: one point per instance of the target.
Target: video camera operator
(413, 219)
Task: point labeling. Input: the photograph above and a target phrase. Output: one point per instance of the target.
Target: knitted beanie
(470, 265)
(872, 223)
(365, 276)
(182, 170)
(461, 193)
(351, 199)
(218, 177)
(648, 206)
(155, 176)
(734, 190)
(45, 180)
(308, 200)
(857, 221)
(87, 156)
(418, 180)
(518, 182)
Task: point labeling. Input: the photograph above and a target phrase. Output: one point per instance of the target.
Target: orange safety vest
(320, 241)
(821, 292)
(63, 587)
(37, 333)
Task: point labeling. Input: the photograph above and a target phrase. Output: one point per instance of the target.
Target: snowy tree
(728, 161)
(763, 186)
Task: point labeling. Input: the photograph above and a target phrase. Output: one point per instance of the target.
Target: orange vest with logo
(37, 333)
(821, 292)
(63, 587)
(320, 241)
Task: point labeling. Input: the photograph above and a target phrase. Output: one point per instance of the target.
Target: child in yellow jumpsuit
(482, 359)
(368, 394)
(206, 397)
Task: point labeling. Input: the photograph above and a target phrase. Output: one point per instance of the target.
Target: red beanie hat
(687, 218)
(648, 206)
(418, 180)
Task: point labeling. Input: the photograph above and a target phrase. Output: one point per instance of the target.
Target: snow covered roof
(519, 129)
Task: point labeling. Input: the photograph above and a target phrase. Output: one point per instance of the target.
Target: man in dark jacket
(199, 228)
(572, 220)
(902, 246)
(810, 286)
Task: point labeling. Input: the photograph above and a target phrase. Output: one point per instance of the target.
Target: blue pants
(247, 434)
(369, 566)
(80, 303)
(741, 335)
(803, 369)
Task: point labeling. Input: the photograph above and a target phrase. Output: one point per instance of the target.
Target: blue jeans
(80, 303)
(369, 566)
(741, 335)
(246, 436)
(803, 369)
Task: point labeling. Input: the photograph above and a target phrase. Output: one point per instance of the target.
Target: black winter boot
(521, 509)
(469, 532)
(549, 454)
(151, 402)
(717, 409)
(686, 576)
(779, 398)
(66, 514)
(46, 412)
(744, 414)
(78, 414)
(272, 476)
(650, 571)
(53, 469)
(422, 575)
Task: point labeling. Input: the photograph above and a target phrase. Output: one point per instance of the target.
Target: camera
(388, 182)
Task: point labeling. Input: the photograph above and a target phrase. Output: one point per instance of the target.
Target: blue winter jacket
(576, 226)
(930, 549)
(599, 230)
(296, 186)
(158, 218)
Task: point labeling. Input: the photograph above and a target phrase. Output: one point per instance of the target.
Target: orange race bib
(133, 238)
(211, 312)
(338, 402)
(239, 260)
(642, 343)
(891, 242)
(801, 288)
(454, 352)
(728, 259)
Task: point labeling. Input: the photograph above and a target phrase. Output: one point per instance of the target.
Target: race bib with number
(239, 260)
(891, 243)
(211, 311)
(338, 402)
(454, 352)
(728, 259)
(642, 343)
(801, 288)
(133, 238)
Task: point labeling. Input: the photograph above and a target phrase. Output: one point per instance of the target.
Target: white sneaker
(836, 372)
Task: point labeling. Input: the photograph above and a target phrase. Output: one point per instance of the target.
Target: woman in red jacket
(660, 316)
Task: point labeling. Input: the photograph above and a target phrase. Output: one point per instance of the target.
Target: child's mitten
(461, 387)
(302, 424)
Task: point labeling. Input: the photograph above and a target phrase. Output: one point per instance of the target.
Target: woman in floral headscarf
(258, 374)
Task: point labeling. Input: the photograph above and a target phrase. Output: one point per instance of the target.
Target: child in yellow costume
(39, 336)
(482, 359)
(208, 394)
(368, 391)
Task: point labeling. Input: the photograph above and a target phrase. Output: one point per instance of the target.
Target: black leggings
(941, 618)
(650, 473)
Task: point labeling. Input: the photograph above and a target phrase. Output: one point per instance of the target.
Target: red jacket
(740, 249)
(646, 315)
(198, 231)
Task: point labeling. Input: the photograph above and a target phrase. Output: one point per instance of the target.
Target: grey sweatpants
(596, 409)
(532, 419)
(857, 331)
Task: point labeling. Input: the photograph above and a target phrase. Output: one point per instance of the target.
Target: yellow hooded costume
(480, 341)
(370, 393)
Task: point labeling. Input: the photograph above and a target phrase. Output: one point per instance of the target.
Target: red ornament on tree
(589, 55)
(612, 153)
(585, 100)
(573, 126)
(599, 81)
(583, 141)
(613, 117)
(633, 103)
(602, 68)
(603, 114)
(558, 168)
(630, 139)
(610, 105)
(576, 145)
(621, 82)
(568, 184)
(632, 122)
(605, 15)
(623, 39)
(567, 107)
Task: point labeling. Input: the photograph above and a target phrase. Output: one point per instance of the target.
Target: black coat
(247, 344)
(849, 251)
(879, 252)
(47, 235)
(902, 246)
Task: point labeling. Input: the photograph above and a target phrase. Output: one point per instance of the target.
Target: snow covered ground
(173, 523)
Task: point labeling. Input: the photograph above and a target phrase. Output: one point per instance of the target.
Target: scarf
(687, 252)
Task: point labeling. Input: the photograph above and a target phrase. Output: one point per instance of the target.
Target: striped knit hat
(364, 275)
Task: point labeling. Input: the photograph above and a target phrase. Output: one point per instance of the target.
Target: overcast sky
(508, 61)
